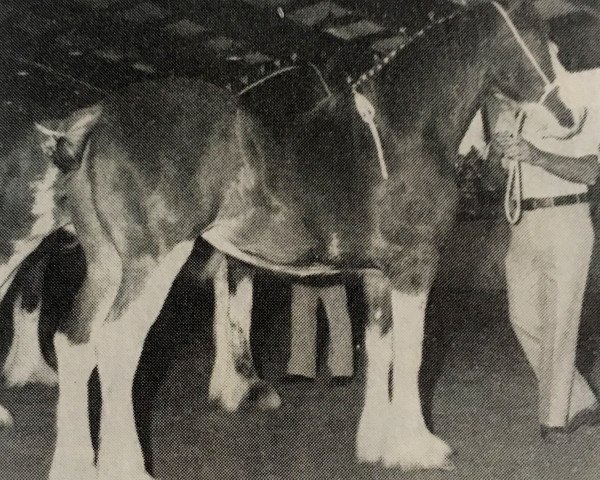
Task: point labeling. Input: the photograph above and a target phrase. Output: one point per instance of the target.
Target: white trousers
(546, 271)
(303, 355)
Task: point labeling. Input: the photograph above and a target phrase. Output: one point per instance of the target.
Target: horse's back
(160, 115)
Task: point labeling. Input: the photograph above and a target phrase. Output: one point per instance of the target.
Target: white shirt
(581, 92)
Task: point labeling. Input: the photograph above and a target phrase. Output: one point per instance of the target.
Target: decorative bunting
(386, 60)
(312, 15)
(352, 31)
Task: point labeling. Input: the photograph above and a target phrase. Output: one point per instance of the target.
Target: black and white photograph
(299, 239)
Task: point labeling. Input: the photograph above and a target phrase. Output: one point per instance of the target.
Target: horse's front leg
(408, 442)
(234, 378)
(378, 348)
(145, 285)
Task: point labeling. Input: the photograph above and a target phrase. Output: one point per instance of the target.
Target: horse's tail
(66, 145)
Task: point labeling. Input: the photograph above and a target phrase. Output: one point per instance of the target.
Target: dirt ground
(484, 403)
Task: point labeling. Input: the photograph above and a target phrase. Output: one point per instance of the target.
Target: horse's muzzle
(560, 110)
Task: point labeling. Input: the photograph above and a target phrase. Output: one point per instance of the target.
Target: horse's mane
(450, 26)
(429, 61)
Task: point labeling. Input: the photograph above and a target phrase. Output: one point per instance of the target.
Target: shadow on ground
(484, 402)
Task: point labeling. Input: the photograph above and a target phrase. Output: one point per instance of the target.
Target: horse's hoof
(74, 471)
(117, 474)
(416, 451)
(263, 396)
(125, 476)
(21, 375)
(368, 453)
(6, 420)
(369, 441)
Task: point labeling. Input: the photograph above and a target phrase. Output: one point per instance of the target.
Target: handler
(550, 246)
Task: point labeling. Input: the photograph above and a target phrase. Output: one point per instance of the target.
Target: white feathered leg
(25, 362)
(409, 444)
(370, 435)
(234, 377)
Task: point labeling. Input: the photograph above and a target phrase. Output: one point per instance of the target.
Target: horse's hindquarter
(160, 157)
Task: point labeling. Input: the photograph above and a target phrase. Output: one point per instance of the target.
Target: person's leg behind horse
(303, 331)
(340, 357)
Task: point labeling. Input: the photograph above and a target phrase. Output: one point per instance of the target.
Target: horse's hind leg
(234, 378)
(76, 359)
(220, 334)
(25, 362)
(144, 287)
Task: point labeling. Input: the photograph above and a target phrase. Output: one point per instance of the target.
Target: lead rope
(513, 196)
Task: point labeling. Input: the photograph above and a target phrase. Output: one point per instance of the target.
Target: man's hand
(512, 148)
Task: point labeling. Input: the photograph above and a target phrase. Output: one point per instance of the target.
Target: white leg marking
(229, 387)
(119, 346)
(409, 444)
(73, 454)
(6, 419)
(45, 222)
(220, 333)
(25, 362)
(370, 435)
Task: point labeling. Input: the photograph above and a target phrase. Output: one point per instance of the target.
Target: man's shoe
(586, 417)
(553, 434)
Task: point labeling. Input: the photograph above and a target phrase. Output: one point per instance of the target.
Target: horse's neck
(444, 112)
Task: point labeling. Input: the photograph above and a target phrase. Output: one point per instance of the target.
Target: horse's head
(519, 60)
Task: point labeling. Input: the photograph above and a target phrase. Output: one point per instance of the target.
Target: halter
(514, 184)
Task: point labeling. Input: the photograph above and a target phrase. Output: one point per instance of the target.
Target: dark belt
(535, 203)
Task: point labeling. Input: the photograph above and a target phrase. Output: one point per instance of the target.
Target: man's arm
(574, 169)
(579, 170)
